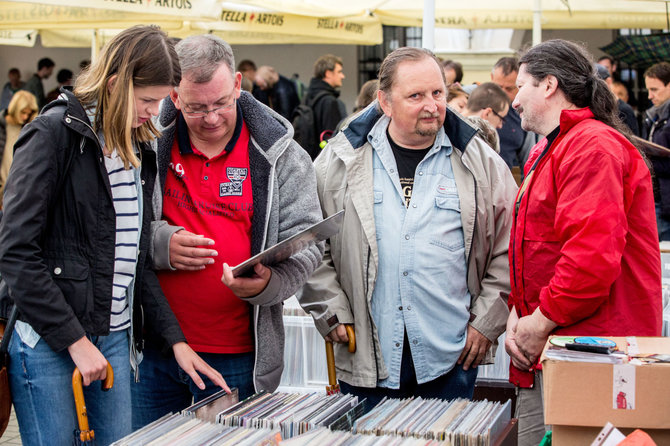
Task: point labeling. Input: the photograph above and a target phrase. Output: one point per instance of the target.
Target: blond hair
(141, 56)
(21, 100)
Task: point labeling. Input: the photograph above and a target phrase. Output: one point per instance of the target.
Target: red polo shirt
(212, 197)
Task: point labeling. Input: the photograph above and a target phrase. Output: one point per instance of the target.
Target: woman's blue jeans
(41, 385)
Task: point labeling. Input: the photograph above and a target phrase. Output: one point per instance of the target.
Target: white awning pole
(428, 33)
(537, 22)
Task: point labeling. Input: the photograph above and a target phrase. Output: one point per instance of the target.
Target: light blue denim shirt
(421, 286)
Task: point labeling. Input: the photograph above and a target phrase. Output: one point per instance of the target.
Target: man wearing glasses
(489, 102)
(233, 183)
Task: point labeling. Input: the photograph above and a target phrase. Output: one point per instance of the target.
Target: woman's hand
(191, 363)
(91, 363)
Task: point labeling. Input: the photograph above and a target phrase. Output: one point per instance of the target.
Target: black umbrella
(640, 51)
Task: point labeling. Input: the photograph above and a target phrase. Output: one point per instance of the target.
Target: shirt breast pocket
(379, 200)
(448, 229)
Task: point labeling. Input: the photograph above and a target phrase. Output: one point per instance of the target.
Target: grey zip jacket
(285, 202)
(340, 290)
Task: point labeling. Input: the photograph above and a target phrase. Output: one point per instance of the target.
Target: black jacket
(328, 110)
(57, 246)
(657, 130)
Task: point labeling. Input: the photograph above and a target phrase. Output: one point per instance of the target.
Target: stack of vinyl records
(459, 421)
(324, 436)
(297, 419)
(180, 429)
(291, 413)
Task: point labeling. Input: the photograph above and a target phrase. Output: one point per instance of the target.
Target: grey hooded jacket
(285, 202)
(340, 290)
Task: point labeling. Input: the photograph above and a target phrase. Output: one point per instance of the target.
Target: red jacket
(584, 245)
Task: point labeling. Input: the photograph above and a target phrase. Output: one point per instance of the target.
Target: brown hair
(327, 62)
(389, 68)
(141, 56)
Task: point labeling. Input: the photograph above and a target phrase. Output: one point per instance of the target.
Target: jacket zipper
(265, 232)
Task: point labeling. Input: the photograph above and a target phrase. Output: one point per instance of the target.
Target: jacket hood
(316, 85)
(457, 128)
(269, 129)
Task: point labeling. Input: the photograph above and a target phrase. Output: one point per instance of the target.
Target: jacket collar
(459, 131)
(570, 118)
(660, 112)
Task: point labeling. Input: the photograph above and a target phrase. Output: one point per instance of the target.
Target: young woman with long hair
(74, 242)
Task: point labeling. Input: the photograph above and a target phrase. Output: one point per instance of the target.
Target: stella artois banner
(186, 9)
(274, 27)
(486, 14)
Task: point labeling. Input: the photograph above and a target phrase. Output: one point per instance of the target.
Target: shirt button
(414, 206)
(207, 164)
(68, 120)
(405, 273)
(406, 236)
(391, 170)
(206, 177)
(57, 271)
(400, 308)
(420, 173)
(409, 307)
(397, 344)
(415, 342)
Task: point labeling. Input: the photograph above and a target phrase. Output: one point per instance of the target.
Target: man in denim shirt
(419, 267)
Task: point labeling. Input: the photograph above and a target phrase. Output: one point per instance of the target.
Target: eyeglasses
(497, 114)
(203, 113)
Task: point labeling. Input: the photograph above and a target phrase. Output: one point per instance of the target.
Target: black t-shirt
(406, 161)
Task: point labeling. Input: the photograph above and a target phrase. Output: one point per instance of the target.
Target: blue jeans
(164, 387)
(457, 383)
(41, 385)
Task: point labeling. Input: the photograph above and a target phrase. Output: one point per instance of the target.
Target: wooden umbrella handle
(85, 434)
(330, 355)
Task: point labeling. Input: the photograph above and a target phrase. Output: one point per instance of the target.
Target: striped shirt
(124, 193)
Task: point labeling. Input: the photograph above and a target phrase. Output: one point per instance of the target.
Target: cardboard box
(583, 436)
(588, 394)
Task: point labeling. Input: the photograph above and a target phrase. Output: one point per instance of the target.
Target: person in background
(584, 254)
(45, 68)
(457, 98)
(489, 102)
(279, 90)
(366, 95)
(453, 72)
(515, 142)
(74, 243)
(626, 113)
(22, 109)
(248, 69)
(419, 266)
(610, 64)
(657, 130)
(233, 182)
(64, 78)
(620, 91)
(322, 96)
(13, 85)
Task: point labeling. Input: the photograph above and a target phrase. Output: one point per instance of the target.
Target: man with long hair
(584, 254)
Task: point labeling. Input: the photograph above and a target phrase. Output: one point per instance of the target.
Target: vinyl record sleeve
(292, 245)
